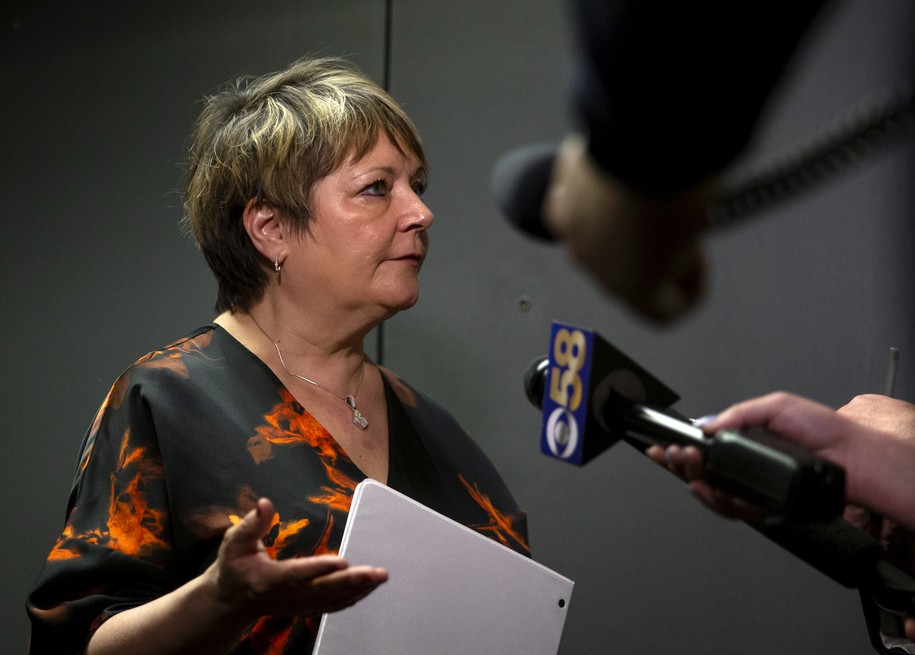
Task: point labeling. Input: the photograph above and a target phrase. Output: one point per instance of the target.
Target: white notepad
(450, 590)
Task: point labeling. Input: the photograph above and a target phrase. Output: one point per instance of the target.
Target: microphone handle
(777, 475)
(854, 559)
(785, 480)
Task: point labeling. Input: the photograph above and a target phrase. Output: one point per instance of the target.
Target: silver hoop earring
(276, 263)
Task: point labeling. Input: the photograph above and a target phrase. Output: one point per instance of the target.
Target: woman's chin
(405, 304)
(401, 303)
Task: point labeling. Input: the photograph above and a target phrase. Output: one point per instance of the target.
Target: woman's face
(366, 238)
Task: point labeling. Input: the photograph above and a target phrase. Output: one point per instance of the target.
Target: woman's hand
(210, 613)
(248, 580)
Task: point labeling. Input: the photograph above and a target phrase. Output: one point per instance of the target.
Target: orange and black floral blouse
(187, 440)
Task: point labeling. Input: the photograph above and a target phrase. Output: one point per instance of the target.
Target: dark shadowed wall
(807, 298)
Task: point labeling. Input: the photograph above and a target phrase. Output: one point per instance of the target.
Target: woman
(214, 484)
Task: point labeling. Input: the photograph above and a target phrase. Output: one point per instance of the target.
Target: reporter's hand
(775, 412)
(868, 426)
(688, 465)
(811, 424)
(249, 580)
(879, 466)
(642, 250)
(897, 418)
(891, 415)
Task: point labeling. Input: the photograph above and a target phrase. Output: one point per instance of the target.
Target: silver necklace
(358, 419)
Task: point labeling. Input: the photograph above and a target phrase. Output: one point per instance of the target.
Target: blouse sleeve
(115, 551)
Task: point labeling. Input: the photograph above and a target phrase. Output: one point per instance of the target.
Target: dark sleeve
(115, 549)
(669, 92)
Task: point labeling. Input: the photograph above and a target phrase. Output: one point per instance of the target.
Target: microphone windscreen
(520, 180)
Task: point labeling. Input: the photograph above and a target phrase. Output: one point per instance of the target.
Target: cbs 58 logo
(570, 350)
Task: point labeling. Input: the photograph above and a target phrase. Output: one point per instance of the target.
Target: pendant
(358, 419)
(361, 422)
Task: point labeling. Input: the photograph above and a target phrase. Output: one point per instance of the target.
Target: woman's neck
(320, 350)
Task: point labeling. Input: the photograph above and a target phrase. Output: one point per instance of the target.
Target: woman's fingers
(247, 536)
(306, 585)
(321, 584)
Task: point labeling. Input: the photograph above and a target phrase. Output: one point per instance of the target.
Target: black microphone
(592, 395)
(520, 180)
(601, 396)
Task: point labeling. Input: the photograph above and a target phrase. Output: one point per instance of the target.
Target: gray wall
(808, 298)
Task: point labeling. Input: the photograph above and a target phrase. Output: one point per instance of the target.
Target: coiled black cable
(850, 142)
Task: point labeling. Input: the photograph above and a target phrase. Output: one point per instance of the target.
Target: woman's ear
(264, 228)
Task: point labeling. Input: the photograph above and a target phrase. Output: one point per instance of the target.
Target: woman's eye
(376, 188)
(419, 187)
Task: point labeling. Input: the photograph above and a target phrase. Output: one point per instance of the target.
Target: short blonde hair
(269, 139)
